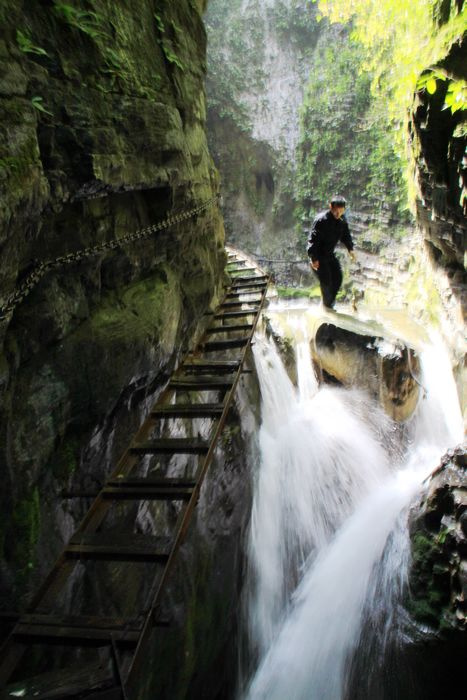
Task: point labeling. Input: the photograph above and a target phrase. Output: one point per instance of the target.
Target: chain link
(16, 297)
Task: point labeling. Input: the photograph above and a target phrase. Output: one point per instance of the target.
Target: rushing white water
(328, 542)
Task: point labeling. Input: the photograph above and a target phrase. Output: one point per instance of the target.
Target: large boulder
(351, 354)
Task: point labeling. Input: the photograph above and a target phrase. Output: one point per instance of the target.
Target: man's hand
(353, 257)
(314, 264)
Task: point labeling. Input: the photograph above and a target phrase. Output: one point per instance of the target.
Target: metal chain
(16, 297)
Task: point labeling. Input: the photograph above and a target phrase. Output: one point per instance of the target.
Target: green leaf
(26, 46)
(431, 86)
(36, 102)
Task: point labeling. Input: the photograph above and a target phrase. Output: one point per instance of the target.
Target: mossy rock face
(438, 575)
(102, 133)
(438, 145)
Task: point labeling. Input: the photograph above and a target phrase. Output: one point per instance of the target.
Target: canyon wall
(102, 113)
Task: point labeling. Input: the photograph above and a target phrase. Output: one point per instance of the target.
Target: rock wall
(259, 58)
(102, 114)
(438, 582)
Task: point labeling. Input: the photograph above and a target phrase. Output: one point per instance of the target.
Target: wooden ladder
(198, 372)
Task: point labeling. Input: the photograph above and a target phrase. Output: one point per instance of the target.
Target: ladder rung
(203, 382)
(179, 446)
(44, 629)
(239, 288)
(224, 344)
(145, 492)
(82, 621)
(228, 329)
(242, 269)
(228, 304)
(226, 366)
(189, 410)
(153, 482)
(231, 295)
(235, 314)
(121, 548)
(250, 278)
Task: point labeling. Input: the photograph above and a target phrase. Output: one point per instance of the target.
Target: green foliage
(36, 102)
(344, 145)
(456, 94)
(166, 43)
(10, 164)
(293, 22)
(88, 22)
(401, 39)
(429, 599)
(234, 62)
(26, 46)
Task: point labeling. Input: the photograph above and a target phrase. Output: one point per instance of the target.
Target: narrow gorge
(302, 529)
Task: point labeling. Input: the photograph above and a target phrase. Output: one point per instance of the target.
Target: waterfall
(329, 547)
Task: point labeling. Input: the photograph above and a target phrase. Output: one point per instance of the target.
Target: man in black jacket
(329, 228)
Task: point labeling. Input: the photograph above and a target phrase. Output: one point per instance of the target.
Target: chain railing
(16, 297)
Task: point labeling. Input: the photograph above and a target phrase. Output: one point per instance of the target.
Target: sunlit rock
(387, 370)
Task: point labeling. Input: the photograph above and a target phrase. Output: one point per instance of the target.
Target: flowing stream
(328, 547)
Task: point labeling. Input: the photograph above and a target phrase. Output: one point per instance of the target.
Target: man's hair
(339, 201)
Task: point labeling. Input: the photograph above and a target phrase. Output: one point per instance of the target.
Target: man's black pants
(330, 279)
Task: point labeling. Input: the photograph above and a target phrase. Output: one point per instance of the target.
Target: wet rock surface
(432, 656)
(102, 114)
(388, 371)
(438, 578)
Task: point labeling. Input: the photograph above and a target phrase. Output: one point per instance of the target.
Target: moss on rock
(102, 113)
(438, 571)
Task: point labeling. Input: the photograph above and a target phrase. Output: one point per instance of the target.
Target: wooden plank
(112, 624)
(225, 344)
(153, 482)
(122, 547)
(147, 493)
(195, 410)
(232, 295)
(201, 383)
(250, 278)
(175, 446)
(228, 329)
(75, 636)
(242, 269)
(216, 366)
(235, 314)
(252, 304)
(246, 289)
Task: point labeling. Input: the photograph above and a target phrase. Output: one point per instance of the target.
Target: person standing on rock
(328, 229)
